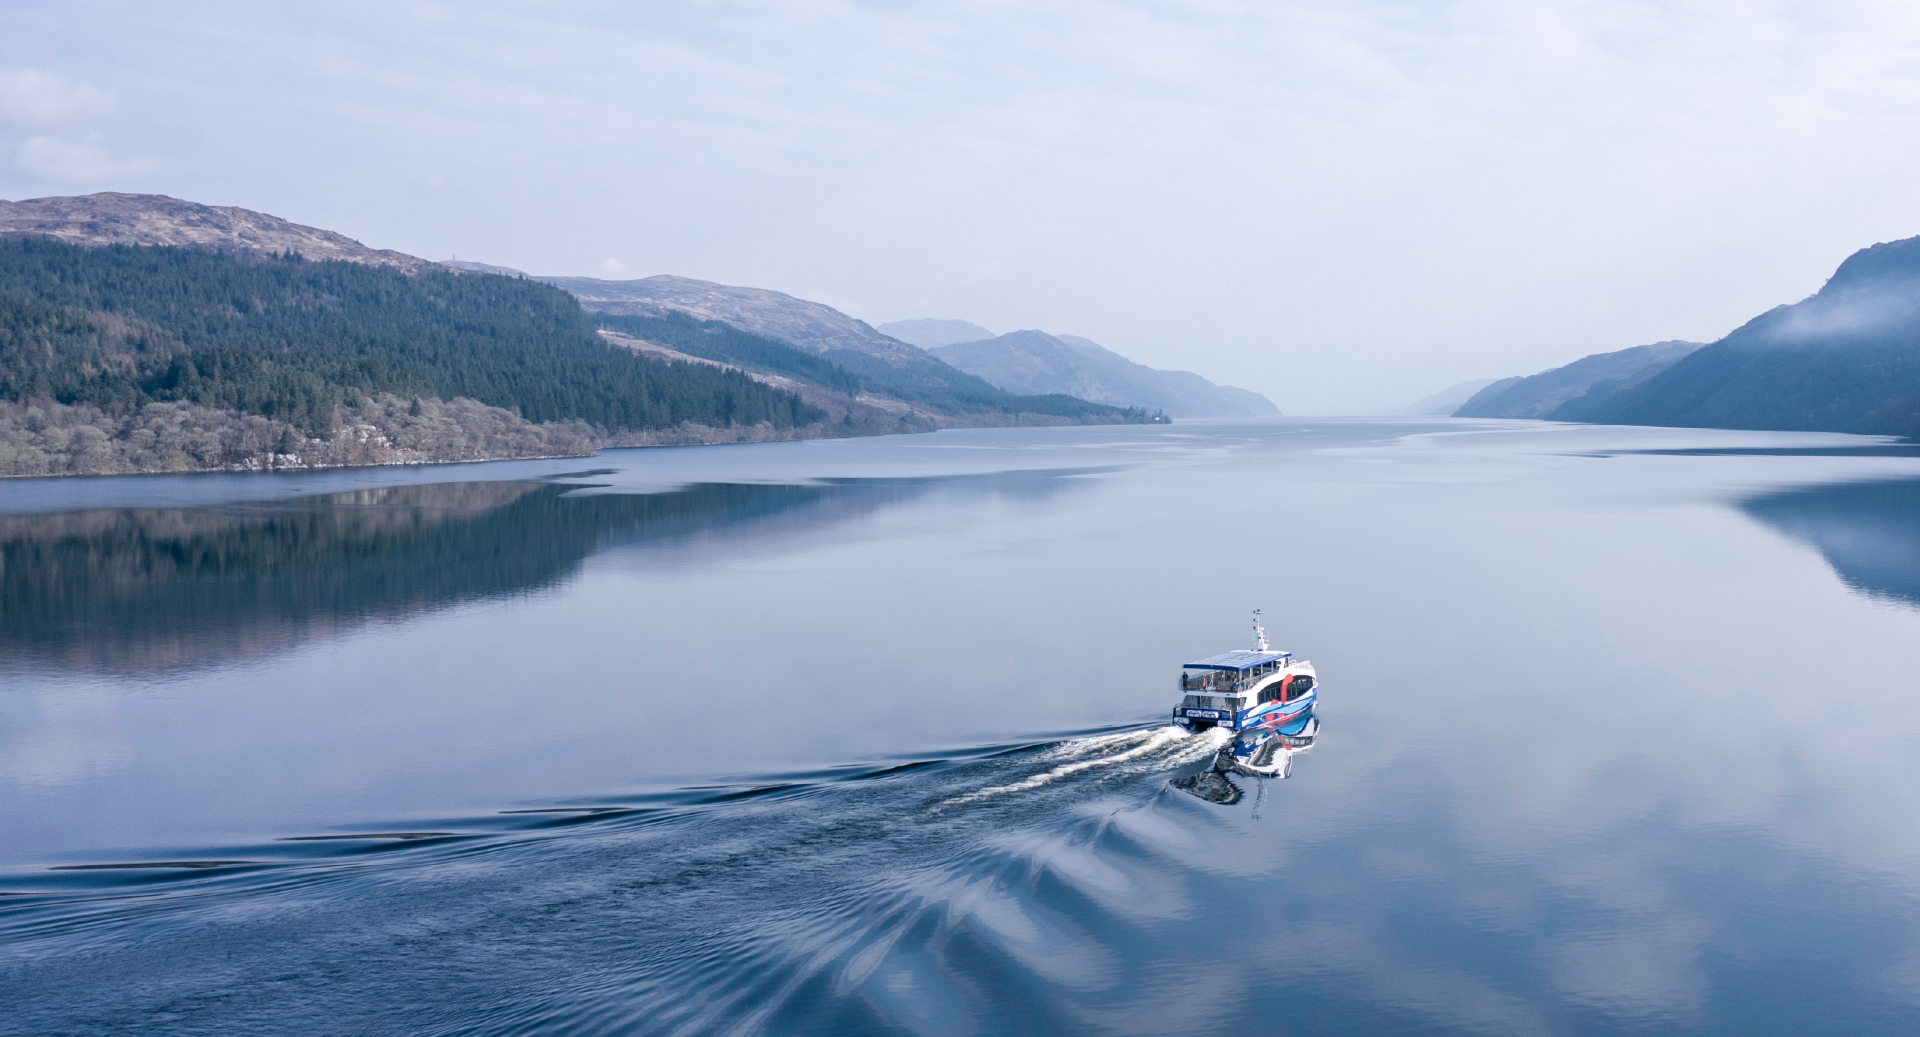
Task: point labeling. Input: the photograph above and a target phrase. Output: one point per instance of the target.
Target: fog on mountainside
(1846, 359)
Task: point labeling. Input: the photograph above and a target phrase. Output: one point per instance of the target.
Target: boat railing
(1211, 682)
(1217, 681)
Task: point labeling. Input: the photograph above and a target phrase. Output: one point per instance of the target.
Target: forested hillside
(293, 340)
(712, 340)
(143, 333)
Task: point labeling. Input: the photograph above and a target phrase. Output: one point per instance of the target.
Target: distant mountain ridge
(1037, 362)
(1546, 394)
(114, 218)
(1443, 403)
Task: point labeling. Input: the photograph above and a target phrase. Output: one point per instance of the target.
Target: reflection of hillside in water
(1869, 532)
(141, 590)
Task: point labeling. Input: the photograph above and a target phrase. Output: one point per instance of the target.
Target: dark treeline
(294, 340)
(713, 340)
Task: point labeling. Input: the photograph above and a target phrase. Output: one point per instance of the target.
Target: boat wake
(866, 899)
(1156, 748)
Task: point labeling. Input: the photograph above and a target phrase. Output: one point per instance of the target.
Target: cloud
(60, 114)
(1343, 202)
(85, 161)
(35, 100)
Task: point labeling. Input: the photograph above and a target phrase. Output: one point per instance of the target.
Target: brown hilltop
(114, 218)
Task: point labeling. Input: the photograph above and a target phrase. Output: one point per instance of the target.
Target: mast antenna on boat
(1259, 633)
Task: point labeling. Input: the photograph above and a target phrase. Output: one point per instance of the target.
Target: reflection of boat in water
(1259, 752)
(1267, 752)
(1265, 697)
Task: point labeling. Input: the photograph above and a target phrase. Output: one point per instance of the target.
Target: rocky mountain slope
(112, 218)
(1599, 375)
(1036, 362)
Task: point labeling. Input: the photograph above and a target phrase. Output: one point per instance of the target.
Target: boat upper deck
(1232, 671)
(1239, 661)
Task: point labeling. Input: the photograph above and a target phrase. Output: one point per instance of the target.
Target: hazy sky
(1346, 204)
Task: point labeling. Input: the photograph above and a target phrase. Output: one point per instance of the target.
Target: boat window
(1296, 686)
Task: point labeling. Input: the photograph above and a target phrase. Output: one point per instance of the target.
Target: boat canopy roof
(1236, 661)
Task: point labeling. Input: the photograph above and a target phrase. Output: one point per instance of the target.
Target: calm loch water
(1619, 735)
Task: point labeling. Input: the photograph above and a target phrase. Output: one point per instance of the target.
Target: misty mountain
(1443, 403)
(1846, 359)
(931, 332)
(1036, 362)
(1599, 375)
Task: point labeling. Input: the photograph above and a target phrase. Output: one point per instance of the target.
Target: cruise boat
(1265, 696)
